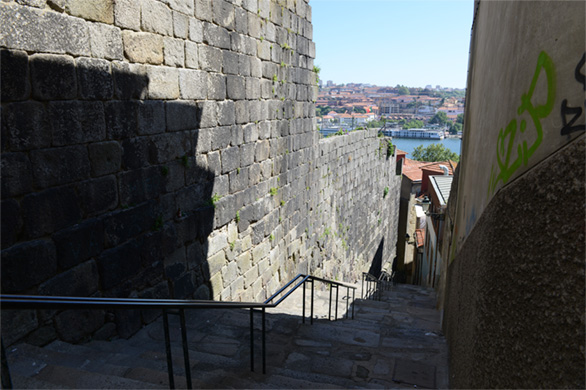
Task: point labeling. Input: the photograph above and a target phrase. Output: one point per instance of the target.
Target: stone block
(185, 6)
(11, 224)
(195, 30)
(216, 86)
(75, 122)
(58, 166)
(203, 9)
(175, 178)
(214, 163)
(140, 185)
(151, 117)
(226, 113)
(223, 13)
(183, 287)
(237, 135)
(127, 322)
(127, 14)
(241, 109)
(230, 159)
(163, 83)
(174, 52)
(79, 243)
(14, 73)
(143, 47)
(262, 150)
(220, 138)
(79, 281)
(244, 68)
(53, 77)
(221, 185)
(121, 119)
(236, 87)
(182, 115)
(106, 41)
(231, 61)
(19, 260)
(98, 11)
(241, 21)
(193, 83)
(216, 36)
(74, 326)
(16, 174)
(94, 79)
(36, 30)
(238, 180)
(250, 133)
(180, 25)
(48, 211)
(191, 55)
(105, 157)
(156, 17)
(254, 110)
(225, 210)
(247, 153)
(210, 59)
(130, 80)
(169, 146)
(17, 324)
(98, 196)
(252, 88)
(121, 225)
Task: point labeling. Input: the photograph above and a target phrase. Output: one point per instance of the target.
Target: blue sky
(390, 42)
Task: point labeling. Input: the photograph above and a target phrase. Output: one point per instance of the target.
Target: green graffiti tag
(506, 139)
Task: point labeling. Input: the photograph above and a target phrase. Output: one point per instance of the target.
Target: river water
(409, 144)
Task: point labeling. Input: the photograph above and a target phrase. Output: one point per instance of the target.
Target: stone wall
(168, 149)
(514, 286)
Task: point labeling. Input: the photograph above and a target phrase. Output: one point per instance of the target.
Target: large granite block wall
(168, 149)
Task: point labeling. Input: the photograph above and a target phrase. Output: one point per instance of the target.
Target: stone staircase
(392, 343)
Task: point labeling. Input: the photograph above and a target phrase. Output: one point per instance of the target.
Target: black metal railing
(375, 286)
(20, 302)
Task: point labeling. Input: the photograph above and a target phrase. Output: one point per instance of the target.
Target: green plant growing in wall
(286, 46)
(164, 170)
(213, 200)
(158, 225)
(390, 149)
(282, 203)
(262, 39)
(237, 216)
(185, 161)
(271, 237)
(232, 244)
(273, 191)
(275, 78)
(385, 192)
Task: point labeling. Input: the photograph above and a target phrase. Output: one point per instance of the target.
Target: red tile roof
(420, 237)
(412, 169)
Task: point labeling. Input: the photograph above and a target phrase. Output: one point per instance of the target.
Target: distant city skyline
(389, 42)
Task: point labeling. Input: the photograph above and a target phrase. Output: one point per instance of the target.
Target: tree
(412, 124)
(359, 110)
(441, 118)
(434, 152)
(460, 119)
(402, 90)
(455, 128)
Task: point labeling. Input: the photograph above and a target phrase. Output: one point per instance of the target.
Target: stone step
(392, 343)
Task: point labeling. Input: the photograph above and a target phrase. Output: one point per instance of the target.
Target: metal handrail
(60, 302)
(373, 290)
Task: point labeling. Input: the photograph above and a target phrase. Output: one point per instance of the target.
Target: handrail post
(168, 350)
(353, 301)
(362, 285)
(311, 321)
(264, 349)
(252, 339)
(330, 305)
(185, 349)
(303, 317)
(6, 380)
(347, 300)
(337, 291)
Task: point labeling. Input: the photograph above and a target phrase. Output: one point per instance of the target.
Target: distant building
(329, 83)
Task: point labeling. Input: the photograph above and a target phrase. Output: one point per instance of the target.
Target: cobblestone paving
(392, 343)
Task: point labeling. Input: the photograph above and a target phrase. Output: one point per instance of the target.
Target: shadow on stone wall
(376, 265)
(102, 194)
